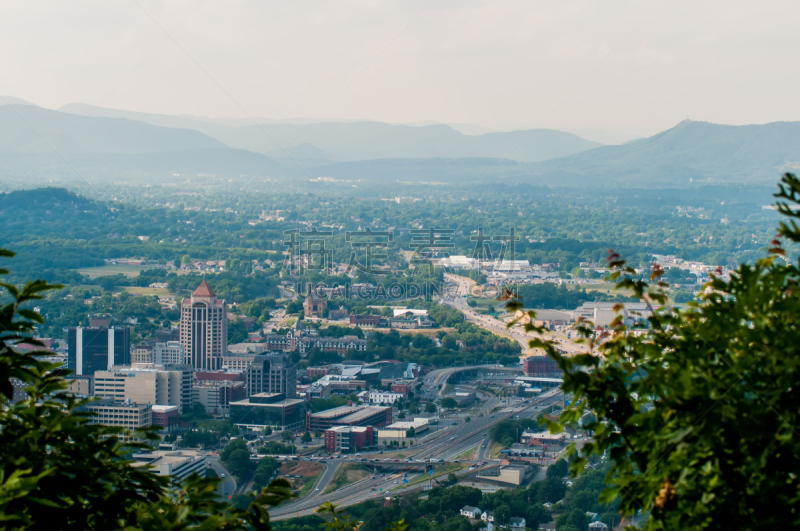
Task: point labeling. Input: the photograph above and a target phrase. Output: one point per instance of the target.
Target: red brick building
(402, 387)
(365, 320)
(313, 372)
(347, 439)
(166, 417)
(541, 367)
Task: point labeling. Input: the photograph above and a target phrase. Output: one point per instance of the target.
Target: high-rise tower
(204, 329)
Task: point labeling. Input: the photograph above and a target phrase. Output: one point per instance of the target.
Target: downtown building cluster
(255, 385)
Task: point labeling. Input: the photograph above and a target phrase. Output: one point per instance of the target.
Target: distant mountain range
(112, 142)
(32, 129)
(344, 141)
(690, 152)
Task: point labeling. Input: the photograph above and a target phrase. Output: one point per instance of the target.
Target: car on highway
(222, 475)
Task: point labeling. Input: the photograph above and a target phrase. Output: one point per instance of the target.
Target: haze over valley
(419, 265)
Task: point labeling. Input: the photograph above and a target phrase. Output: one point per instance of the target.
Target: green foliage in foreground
(59, 471)
(699, 417)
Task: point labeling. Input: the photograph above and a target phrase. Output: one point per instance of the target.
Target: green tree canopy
(59, 470)
(449, 403)
(699, 416)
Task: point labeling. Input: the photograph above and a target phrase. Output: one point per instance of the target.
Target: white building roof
(406, 311)
(405, 426)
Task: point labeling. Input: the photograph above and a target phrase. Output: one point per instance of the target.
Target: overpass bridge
(375, 463)
(482, 372)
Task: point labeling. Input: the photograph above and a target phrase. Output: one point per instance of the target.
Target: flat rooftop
(364, 413)
(282, 403)
(164, 409)
(161, 457)
(407, 425)
(335, 412)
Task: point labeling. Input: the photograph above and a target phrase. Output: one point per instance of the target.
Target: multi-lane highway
(443, 446)
(517, 333)
(439, 447)
(227, 486)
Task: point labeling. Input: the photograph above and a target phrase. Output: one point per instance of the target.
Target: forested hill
(689, 152)
(53, 229)
(680, 157)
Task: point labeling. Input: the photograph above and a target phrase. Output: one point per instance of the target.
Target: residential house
(516, 522)
(470, 512)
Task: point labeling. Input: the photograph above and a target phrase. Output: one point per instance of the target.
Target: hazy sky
(498, 64)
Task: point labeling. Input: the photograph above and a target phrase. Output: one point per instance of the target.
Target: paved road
(445, 445)
(228, 486)
(274, 320)
(496, 326)
(436, 378)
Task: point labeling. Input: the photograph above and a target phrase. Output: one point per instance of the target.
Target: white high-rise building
(204, 329)
(169, 385)
(169, 353)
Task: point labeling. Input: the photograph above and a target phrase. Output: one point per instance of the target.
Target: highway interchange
(444, 445)
(450, 440)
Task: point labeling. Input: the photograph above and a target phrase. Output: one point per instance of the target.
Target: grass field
(604, 287)
(115, 269)
(101, 271)
(347, 474)
(135, 290)
(494, 450)
(466, 455)
(308, 474)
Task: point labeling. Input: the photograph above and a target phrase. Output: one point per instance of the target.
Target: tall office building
(167, 385)
(204, 329)
(169, 353)
(272, 373)
(142, 353)
(91, 349)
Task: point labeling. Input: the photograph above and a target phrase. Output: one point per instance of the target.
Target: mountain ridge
(366, 140)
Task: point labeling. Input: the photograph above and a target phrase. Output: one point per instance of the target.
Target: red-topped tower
(204, 329)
